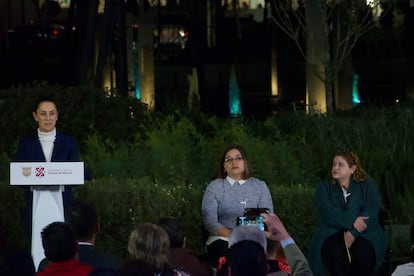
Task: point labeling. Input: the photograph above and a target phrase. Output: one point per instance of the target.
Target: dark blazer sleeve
(29, 149)
(65, 149)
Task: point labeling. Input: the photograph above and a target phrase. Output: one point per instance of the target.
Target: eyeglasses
(229, 160)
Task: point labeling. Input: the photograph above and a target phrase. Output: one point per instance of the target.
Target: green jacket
(335, 215)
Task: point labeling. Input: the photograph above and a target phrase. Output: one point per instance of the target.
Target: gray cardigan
(223, 203)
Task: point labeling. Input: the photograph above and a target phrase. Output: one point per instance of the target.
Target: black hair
(172, 226)
(59, 242)
(83, 220)
(247, 258)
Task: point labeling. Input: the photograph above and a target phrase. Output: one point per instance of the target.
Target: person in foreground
(247, 257)
(348, 238)
(83, 220)
(407, 268)
(227, 197)
(61, 248)
(180, 255)
(149, 248)
(247, 252)
(298, 263)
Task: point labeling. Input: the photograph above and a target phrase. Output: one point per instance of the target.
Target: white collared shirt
(232, 181)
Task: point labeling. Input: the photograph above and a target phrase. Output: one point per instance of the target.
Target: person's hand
(360, 224)
(223, 231)
(275, 229)
(349, 239)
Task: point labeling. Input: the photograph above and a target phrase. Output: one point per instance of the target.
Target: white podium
(47, 181)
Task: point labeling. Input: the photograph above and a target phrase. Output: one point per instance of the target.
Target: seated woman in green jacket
(348, 238)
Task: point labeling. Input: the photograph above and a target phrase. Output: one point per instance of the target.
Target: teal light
(355, 92)
(136, 81)
(234, 95)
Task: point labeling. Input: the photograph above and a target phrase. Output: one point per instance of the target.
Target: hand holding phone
(277, 230)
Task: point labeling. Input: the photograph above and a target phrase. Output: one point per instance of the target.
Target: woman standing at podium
(46, 144)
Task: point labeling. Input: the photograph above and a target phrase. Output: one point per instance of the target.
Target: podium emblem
(40, 172)
(27, 171)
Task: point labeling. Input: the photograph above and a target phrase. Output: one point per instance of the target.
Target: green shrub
(149, 164)
(12, 214)
(124, 203)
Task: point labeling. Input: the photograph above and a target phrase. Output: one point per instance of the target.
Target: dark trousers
(335, 256)
(215, 251)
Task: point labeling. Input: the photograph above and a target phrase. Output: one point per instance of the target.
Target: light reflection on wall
(355, 92)
(234, 95)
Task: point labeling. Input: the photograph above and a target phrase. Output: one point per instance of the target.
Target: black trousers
(215, 251)
(335, 256)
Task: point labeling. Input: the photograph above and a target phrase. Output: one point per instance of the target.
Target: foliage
(12, 214)
(124, 203)
(294, 205)
(82, 110)
(145, 165)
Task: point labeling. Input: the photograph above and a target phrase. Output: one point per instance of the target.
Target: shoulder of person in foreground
(97, 258)
(190, 262)
(404, 269)
(276, 231)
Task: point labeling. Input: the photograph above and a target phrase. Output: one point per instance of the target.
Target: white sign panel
(46, 173)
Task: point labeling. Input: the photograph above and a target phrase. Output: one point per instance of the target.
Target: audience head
(246, 258)
(248, 171)
(59, 242)
(150, 244)
(248, 232)
(84, 221)
(172, 226)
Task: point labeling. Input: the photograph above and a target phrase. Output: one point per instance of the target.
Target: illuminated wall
(234, 94)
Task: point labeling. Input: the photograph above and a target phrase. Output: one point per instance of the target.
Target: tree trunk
(119, 47)
(146, 24)
(315, 63)
(87, 12)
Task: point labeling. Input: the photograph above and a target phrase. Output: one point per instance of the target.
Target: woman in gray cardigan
(227, 197)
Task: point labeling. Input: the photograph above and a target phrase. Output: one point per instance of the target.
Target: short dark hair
(59, 242)
(172, 226)
(247, 258)
(83, 219)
